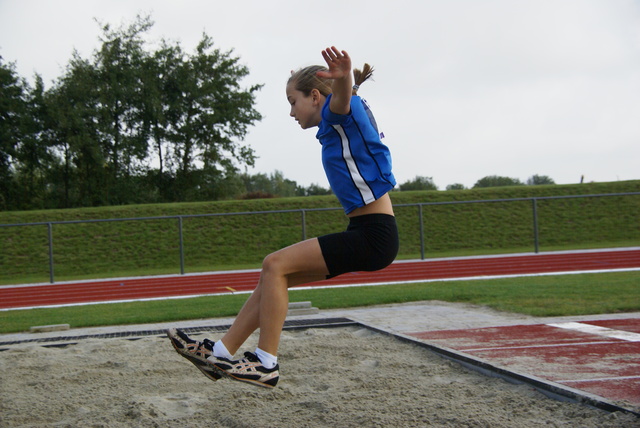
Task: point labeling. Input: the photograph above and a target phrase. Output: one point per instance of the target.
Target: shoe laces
(252, 357)
(208, 344)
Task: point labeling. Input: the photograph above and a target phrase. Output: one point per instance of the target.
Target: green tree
(497, 181)
(419, 183)
(33, 156)
(161, 97)
(257, 183)
(536, 180)
(283, 186)
(81, 171)
(118, 78)
(456, 186)
(13, 108)
(211, 115)
(315, 189)
(274, 184)
(96, 127)
(96, 136)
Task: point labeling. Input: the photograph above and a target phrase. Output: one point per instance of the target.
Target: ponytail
(360, 76)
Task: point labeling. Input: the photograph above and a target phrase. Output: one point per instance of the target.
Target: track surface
(67, 293)
(599, 357)
(83, 292)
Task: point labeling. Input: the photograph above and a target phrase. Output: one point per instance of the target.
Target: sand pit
(339, 377)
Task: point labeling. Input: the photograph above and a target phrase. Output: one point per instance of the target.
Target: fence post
(50, 232)
(536, 242)
(181, 245)
(304, 224)
(421, 231)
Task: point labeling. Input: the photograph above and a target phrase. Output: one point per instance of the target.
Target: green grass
(150, 247)
(556, 295)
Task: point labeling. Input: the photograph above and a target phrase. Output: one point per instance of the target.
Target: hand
(339, 64)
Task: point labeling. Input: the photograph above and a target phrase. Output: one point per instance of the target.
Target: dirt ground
(339, 377)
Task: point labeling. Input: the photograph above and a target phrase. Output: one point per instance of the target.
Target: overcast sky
(462, 89)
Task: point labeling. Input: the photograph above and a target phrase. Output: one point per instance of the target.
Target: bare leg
(267, 306)
(246, 322)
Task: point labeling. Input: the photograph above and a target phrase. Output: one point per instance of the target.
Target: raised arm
(339, 64)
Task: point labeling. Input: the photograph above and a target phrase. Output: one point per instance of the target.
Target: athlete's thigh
(303, 259)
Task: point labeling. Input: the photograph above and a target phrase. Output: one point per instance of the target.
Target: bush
(497, 181)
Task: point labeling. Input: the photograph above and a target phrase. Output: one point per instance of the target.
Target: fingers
(333, 54)
(339, 63)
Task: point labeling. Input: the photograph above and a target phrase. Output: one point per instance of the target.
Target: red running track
(600, 357)
(113, 290)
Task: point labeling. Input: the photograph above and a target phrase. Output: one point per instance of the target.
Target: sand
(338, 377)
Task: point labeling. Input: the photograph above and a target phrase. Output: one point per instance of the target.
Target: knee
(273, 264)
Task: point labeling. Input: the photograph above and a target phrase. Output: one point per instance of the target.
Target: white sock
(219, 350)
(268, 361)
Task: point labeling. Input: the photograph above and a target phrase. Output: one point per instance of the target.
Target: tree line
(427, 183)
(127, 125)
(138, 124)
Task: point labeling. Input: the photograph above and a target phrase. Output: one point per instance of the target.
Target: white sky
(463, 88)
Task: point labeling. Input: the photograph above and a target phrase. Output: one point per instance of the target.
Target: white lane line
(597, 330)
(602, 379)
(551, 345)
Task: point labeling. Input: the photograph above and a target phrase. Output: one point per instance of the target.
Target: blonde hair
(306, 79)
(359, 77)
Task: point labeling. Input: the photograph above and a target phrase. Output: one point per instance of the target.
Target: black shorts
(369, 243)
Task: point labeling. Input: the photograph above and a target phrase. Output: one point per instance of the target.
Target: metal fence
(533, 228)
(535, 235)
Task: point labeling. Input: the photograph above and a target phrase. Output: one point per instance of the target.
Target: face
(306, 110)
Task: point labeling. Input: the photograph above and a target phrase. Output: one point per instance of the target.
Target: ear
(316, 96)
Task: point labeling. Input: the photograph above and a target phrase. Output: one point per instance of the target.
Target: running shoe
(195, 351)
(250, 370)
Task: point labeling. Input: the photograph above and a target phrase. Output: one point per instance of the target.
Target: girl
(358, 167)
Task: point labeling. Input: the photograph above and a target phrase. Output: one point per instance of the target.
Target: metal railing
(534, 209)
(303, 221)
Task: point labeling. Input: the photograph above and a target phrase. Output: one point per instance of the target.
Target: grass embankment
(538, 296)
(131, 248)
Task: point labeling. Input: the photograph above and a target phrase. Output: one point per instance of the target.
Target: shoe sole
(209, 370)
(240, 379)
(249, 381)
